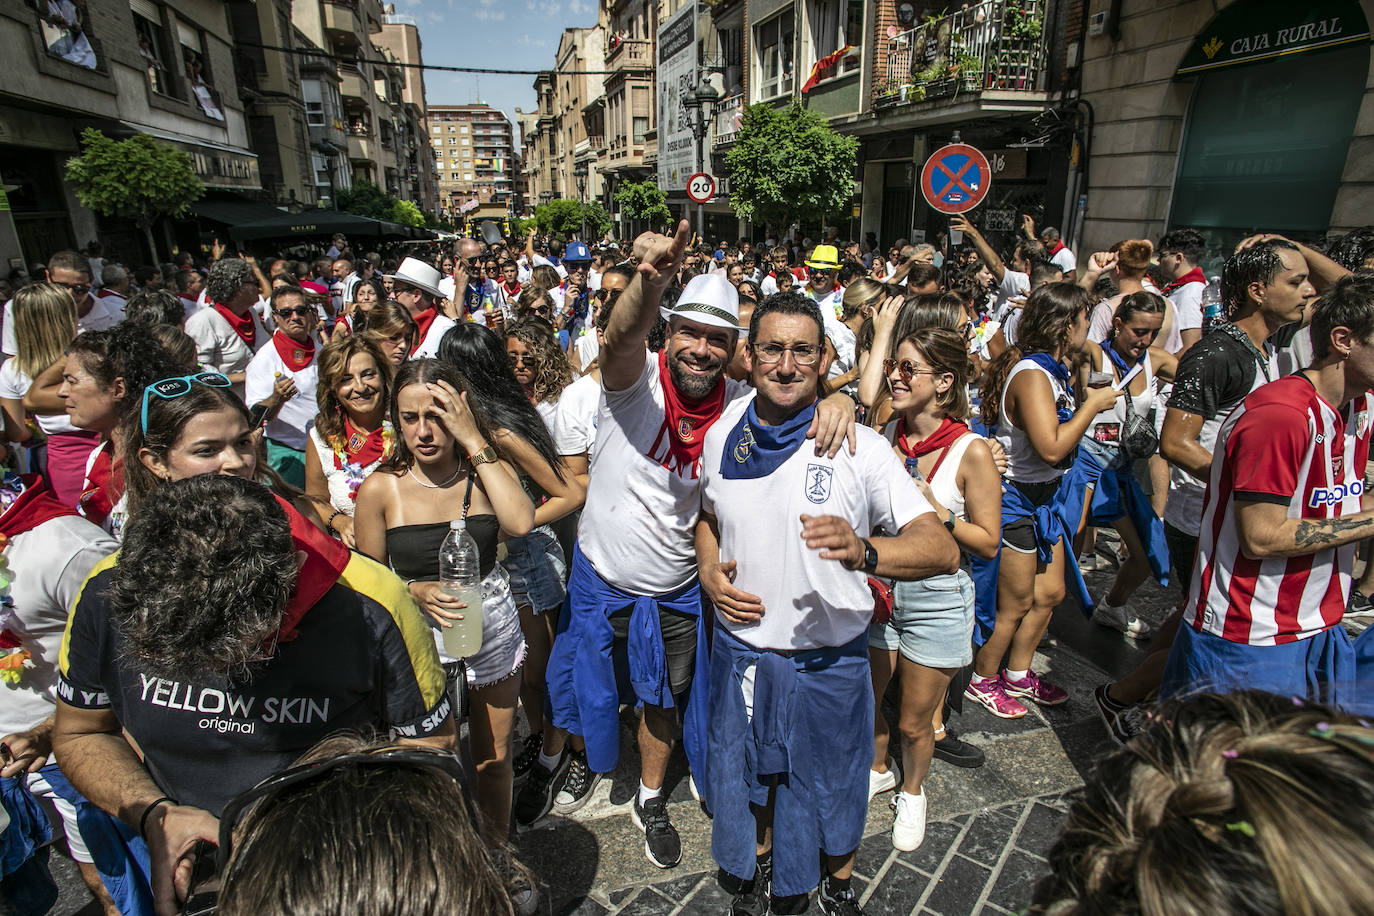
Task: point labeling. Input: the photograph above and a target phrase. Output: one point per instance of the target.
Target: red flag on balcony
(822, 68)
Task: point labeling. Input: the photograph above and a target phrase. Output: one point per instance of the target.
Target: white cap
(457, 524)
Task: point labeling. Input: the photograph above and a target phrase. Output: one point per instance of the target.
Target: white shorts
(62, 813)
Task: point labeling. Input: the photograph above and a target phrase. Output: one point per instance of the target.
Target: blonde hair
(861, 292)
(44, 326)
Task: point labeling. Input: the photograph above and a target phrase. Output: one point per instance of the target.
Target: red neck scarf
(1193, 276)
(243, 325)
(1056, 248)
(108, 294)
(32, 508)
(325, 559)
(360, 446)
(104, 485)
(295, 354)
(687, 424)
(946, 435)
(423, 321)
(510, 291)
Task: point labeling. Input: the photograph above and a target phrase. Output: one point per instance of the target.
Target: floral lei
(353, 471)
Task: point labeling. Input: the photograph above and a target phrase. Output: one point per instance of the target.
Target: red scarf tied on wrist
(946, 435)
(685, 424)
(1193, 276)
(242, 325)
(293, 353)
(104, 485)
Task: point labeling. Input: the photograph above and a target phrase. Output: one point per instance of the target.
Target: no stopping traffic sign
(701, 188)
(956, 178)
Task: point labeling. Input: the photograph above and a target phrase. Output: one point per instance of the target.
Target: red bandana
(108, 294)
(1056, 248)
(510, 291)
(362, 447)
(687, 424)
(34, 506)
(946, 435)
(423, 321)
(242, 325)
(295, 354)
(1193, 276)
(104, 485)
(325, 559)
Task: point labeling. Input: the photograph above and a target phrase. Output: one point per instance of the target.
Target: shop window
(153, 46)
(63, 25)
(774, 40)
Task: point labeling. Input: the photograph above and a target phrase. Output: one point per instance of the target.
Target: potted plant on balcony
(1022, 24)
(968, 72)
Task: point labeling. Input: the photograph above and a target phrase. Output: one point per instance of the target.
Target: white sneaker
(909, 826)
(884, 782)
(1120, 618)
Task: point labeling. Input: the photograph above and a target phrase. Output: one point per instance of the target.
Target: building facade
(474, 147)
(400, 38)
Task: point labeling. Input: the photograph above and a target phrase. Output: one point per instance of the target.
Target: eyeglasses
(169, 389)
(413, 756)
(770, 353)
(905, 368)
(299, 311)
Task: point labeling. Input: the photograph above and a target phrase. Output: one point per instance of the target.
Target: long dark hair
(480, 355)
(1045, 326)
(128, 351)
(425, 372)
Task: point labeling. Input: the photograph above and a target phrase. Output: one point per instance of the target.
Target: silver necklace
(433, 486)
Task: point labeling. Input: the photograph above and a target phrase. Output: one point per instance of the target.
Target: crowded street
(735, 457)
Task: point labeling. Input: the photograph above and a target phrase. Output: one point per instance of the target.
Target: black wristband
(143, 821)
(329, 525)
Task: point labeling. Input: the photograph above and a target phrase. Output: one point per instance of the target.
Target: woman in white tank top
(1028, 401)
(932, 620)
(1135, 328)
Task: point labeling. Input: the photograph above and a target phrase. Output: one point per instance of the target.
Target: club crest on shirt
(685, 429)
(818, 479)
(745, 445)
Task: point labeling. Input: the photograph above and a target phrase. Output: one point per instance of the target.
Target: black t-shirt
(363, 658)
(1216, 373)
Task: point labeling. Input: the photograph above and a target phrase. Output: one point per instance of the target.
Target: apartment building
(474, 148)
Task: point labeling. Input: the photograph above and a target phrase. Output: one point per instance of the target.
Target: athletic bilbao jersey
(1286, 445)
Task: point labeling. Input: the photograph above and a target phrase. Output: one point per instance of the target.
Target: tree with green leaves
(789, 165)
(366, 199)
(137, 179)
(407, 214)
(564, 217)
(643, 200)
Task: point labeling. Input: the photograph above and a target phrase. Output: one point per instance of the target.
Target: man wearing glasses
(229, 331)
(280, 380)
(790, 695)
(71, 270)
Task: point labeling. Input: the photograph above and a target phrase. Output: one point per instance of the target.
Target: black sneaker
(577, 788)
(838, 903)
(661, 842)
(751, 902)
(529, 753)
(951, 749)
(1110, 711)
(536, 795)
(1359, 604)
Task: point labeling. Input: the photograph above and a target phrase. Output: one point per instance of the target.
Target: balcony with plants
(997, 46)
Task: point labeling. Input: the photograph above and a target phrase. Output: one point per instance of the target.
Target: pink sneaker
(1035, 689)
(992, 695)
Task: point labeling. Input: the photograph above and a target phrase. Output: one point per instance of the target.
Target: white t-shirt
(574, 430)
(846, 346)
(1064, 260)
(588, 348)
(637, 525)
(218, 348)
(1187, 300)
(1102, 318)
(291, 426)
(15, 384)
(52, 561)
(429, 347)
(808, 602)
(1014, 283)
(104, 314)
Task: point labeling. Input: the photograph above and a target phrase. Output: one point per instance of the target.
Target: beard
(694, 387)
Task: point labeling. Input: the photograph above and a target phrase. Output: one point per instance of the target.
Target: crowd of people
(741, 489)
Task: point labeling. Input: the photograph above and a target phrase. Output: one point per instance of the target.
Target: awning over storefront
(324, 223)
(234, 211)
(1256, 31)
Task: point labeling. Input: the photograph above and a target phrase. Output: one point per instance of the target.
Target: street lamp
(580, 173)
(700, 103)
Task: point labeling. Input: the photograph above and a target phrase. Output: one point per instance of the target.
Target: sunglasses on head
(169, 389)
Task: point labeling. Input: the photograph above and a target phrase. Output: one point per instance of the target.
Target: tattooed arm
(1266, 531)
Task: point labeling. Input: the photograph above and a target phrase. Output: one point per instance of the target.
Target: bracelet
(143, 821)
(330, 524)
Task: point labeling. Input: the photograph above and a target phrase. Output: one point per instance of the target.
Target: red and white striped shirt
(1283, 444)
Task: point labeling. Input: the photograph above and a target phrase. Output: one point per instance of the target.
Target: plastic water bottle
(1211, 305)
(460, 575)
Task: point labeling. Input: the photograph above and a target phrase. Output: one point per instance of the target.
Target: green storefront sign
(1254, 31)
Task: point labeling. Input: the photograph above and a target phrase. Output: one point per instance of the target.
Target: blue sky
(506, 34)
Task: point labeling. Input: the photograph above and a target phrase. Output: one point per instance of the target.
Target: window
(465, 141)
(450, 128)
(197, 71)
(314, 103)
(467, 176)
(152, 46)
(321, 166)
(465, 128)
(63, 24)
(835, 24)
(774, 40)
(436, 130)
(641, 127)
(452, 141)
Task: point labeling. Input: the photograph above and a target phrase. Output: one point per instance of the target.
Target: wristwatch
(870, 562)
(949, 521)
(484, 455)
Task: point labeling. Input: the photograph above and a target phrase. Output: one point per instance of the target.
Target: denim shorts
(537, 570)
(932, 621)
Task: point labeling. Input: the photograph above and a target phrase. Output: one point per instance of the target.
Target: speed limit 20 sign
(701, 188)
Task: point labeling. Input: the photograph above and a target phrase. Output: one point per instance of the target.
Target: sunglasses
(169, 389)
(905, 368)
(299, 311)
(820, 271)
(414, 756)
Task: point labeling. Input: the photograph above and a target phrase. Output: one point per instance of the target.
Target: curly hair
(1242, 803)
(1046, 324)
(552, 372)
(1259, 263)
(332, 364)
(227, 277)
(129, 351)
(155, 306)
(203, 577)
